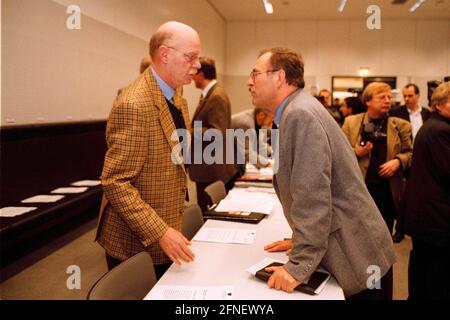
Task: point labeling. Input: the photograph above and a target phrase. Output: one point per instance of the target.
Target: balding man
(144, 189)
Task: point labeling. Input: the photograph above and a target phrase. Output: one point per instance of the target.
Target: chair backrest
(192, 221)
(216, 191)
(130, 280)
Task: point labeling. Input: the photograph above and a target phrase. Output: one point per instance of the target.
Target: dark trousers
(384, 293)
(160, 269)
(429, 272)
(382, 195)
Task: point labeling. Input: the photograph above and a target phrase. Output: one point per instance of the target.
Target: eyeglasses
(254, 73)
(190, 57)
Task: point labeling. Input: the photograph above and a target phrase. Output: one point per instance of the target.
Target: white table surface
(218, 264)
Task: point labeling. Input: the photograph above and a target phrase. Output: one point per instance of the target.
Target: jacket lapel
(165, 117)
(392, 138)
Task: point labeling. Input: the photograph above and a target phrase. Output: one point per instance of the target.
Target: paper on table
(70, 190)
(9, 212)
(225, 235)
(87, 183)
(172, 292)
(264, 262)
(42, 199)
(227, 205)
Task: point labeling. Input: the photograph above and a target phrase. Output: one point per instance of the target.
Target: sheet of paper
(70, 190)
(259, 189)
(43, 199)
(86, 183)
(172, 292)
(9, 212)
(261, 264)
(227, 205)
(225, 235)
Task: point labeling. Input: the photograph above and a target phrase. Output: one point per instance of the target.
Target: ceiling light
(416, 5)
(342, 5)
(268, 6)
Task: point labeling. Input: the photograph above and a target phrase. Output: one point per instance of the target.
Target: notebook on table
(237, 216)
(314, 286)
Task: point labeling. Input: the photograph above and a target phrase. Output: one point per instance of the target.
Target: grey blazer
(334, 220)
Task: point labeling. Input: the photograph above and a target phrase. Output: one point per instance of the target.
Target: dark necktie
(274, 126)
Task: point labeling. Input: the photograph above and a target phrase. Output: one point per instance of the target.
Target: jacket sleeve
(311, 194)
(405, 155)
(128, 143)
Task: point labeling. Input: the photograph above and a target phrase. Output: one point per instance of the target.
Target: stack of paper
(86, 183)
(70, 190)
(225, 235)
(42, 199)
(9, 212)
(227, 205)
(173, 292)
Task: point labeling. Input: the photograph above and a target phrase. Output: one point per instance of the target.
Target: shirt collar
(279, 111)
(208, 87)
(414, 112)
(167, 90)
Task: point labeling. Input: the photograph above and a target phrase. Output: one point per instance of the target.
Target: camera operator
(383, 147)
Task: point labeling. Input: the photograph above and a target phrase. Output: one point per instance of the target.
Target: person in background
(383, 147)
(255, 119)
(351, 105)
(324, 97)
(213, 112)
(412, 112)
(145, 63)
(426, 209)
(144, 189)
(335, 223)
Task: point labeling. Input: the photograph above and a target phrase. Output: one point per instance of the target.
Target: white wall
(51, 74)
(415, 51)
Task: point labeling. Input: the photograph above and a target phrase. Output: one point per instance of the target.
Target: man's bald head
(169, 32)
(175, 49)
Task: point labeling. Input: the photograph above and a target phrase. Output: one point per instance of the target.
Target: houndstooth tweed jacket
(144, 190)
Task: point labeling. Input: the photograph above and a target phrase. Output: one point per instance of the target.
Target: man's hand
(388, 169)
(283, 245)
(281, 279)
(362, 151)
(175, 246)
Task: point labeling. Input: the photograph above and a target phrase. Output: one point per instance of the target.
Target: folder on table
(314, 286)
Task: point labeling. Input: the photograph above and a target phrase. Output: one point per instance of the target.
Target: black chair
(216, 191)
(130, 280)
(192, 221)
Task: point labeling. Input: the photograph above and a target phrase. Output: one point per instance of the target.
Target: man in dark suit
(411, 111)
(213, 112)
(427, 213)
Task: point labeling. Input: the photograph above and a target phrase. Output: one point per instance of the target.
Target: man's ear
(281, 76)
(163, 52)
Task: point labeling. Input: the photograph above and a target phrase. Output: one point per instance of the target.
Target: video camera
(368, 133)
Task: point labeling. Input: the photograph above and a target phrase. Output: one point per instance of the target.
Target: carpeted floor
(44, 274)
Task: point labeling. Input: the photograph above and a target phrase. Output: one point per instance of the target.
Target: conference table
(225, 264)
